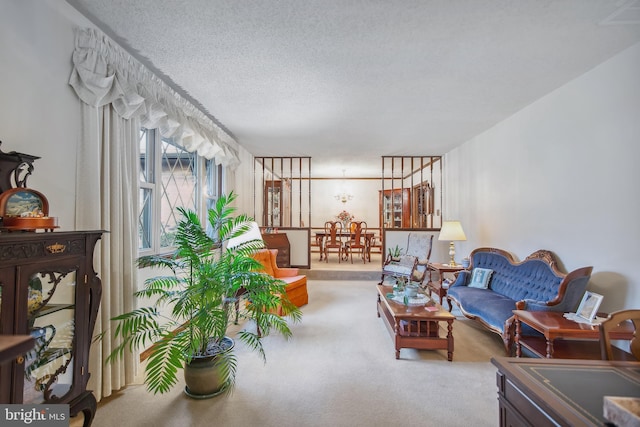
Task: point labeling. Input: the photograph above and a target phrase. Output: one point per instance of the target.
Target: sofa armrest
(570, 291)
(572, 288)
(462, 278)
(285, 271)
(532, 305)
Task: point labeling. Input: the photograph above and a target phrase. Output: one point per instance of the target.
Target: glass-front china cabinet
(49, 289)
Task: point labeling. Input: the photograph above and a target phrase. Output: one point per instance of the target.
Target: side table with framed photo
(587, 309)
(563, 338)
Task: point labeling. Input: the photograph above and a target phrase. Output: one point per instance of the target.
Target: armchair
(413, 263)
(611, 322)
(296, 284)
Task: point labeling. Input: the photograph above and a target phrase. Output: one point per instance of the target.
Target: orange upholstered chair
(296, 287)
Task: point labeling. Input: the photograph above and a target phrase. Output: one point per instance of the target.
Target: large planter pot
(203, 376)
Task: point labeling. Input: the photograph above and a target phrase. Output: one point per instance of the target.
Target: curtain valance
(103, 73)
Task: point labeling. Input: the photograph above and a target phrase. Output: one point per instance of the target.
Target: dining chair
(610, 323)
(357, 240)
(333, 239)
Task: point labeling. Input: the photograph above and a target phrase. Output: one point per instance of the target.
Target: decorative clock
(25, 209)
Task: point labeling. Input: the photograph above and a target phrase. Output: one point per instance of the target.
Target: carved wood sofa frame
(535, 284)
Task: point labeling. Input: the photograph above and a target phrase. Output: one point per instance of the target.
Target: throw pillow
(480, 278)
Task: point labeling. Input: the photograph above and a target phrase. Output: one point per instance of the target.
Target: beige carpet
(339, 369)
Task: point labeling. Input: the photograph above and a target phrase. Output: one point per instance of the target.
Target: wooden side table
(437, 287)
(564, 338)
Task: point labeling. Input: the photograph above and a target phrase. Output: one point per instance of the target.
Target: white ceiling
(334, 79)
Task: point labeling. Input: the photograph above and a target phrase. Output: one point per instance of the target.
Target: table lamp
(452, 231)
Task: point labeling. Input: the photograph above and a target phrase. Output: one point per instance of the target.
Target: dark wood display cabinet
(395, 208)
(272, 204)
(49, 290)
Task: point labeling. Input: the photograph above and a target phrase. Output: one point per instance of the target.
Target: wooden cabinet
(277, 204)
(279, 241)
(272, 204)
(49, 290)
(395, 208)
(423, 206)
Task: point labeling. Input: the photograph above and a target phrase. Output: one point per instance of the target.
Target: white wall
(562, 174)
(39, 112)
(364, 205)
(242, 183)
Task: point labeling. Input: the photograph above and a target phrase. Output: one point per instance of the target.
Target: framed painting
(589, 306)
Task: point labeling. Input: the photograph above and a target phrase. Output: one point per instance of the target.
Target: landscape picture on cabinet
(24, 203)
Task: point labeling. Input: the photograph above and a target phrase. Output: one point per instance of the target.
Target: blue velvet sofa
(534, 284)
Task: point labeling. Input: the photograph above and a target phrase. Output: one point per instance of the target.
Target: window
(170, 177)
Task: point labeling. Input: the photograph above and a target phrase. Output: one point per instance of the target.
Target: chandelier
(343, 196)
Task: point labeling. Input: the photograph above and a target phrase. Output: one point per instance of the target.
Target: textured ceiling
(335, 79)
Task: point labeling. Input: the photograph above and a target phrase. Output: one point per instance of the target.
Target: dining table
(345, 236)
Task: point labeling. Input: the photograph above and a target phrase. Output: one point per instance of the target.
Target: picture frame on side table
(589, 306)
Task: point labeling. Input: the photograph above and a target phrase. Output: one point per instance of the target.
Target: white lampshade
(451, 231)
(253, 233)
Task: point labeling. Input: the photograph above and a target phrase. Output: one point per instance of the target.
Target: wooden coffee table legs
(414, 327)
(423, 335)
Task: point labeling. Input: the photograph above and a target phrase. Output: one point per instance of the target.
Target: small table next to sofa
(582, 340)
(437, 286)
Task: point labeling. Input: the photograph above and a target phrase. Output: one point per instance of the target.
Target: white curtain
(107, 199)
(103, 73)
(119, 95)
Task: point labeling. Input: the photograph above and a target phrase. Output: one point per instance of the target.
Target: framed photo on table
(589, 306)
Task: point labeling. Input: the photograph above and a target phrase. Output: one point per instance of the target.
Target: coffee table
(414, 326)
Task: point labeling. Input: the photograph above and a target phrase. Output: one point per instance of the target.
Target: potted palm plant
(201, 292)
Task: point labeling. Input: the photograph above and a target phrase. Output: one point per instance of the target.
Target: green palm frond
(136, 329)
(200, 295)
(161, 372)
(159, 262)
(228, 364)
(253, 341)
